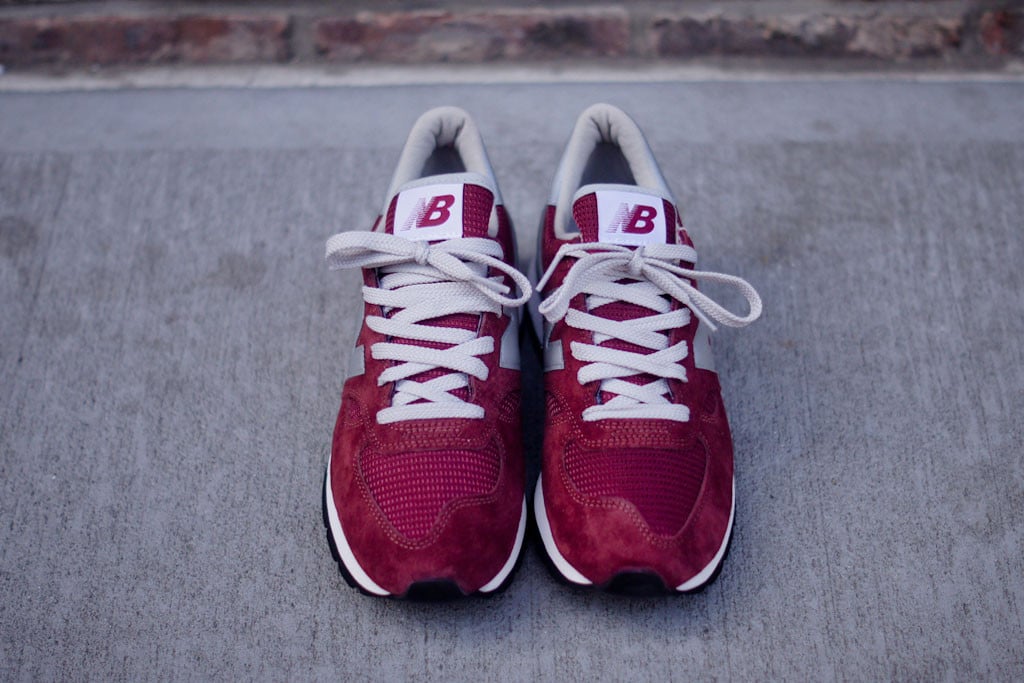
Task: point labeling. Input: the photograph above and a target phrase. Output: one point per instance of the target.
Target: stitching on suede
(447, 510)
(607, 503)
(661, 541)
(695, 515)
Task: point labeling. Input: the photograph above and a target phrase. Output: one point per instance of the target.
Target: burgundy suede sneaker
(424, 492)
(636, 492)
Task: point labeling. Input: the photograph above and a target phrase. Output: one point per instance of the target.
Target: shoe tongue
(441, 207)
(630, 216)
(624, 214)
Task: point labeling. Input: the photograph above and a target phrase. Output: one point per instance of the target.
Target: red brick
(814, 35)
(230, 38)
(1002, 32)
(896, 37)
(74, 39)
(472, 36)
(69, 35)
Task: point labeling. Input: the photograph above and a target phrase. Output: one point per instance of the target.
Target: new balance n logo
(432, 212)
(636, 219)
(630, 218)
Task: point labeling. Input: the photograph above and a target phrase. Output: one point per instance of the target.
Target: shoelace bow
(654, 272)
(419, 282)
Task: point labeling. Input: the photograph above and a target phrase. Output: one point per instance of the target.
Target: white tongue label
(429, 213)
(630, 218)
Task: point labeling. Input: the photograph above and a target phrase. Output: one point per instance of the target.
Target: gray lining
(441, 127)
(597, 125)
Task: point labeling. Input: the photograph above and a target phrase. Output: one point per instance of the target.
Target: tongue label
(429, 213)
(630, 218)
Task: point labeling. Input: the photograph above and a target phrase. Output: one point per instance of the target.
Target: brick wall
(48, 32)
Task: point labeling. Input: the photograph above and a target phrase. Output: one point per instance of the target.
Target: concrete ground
(172, 349)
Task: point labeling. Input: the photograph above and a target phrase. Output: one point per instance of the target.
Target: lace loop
(360, 249)
(642, 277)
(655, 263)
(422, 253)
(419, 282)
(636, 263)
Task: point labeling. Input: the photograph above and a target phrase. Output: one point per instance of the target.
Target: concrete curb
(83, 34)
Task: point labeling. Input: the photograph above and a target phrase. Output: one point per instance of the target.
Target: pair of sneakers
(424, 495)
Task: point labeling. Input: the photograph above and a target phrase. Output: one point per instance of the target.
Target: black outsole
(430, 590)
(637, 584)
(634, 583)
(436, 590)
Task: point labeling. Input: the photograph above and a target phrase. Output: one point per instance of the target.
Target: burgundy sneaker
(424, 494)
(636, 492)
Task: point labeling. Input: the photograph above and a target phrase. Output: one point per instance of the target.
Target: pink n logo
(437, 212)
(635, 220)
(630, 218)
(430, 214)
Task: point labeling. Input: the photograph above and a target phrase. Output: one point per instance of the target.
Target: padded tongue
(624, 214)
(437, 208)
(442, 207)
(630, 216)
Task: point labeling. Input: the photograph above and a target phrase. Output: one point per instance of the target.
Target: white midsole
(510, 563)
(341, 543)
(563, 566)
(363, 579)
(704, 574)
(572, 574)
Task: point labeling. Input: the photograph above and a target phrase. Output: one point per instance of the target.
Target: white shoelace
(418, 282)
(654, 277)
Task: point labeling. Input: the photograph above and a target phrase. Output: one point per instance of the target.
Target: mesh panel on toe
(662, 484)
(412, 488)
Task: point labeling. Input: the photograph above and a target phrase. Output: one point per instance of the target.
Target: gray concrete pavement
(172, 350)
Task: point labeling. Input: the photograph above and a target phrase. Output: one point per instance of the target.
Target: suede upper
(432, 499)
(632, 494)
